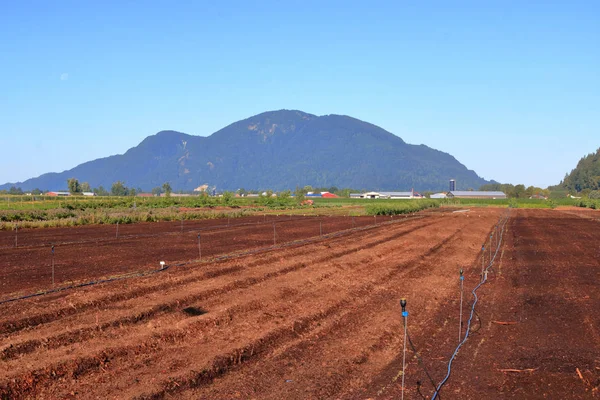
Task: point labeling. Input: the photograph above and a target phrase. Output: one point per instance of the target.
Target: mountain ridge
(275, 150)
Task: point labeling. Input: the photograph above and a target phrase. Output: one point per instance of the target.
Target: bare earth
(320, 319)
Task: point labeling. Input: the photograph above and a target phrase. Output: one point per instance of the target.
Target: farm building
(327, 195)
(476, 194)
(387, 195)
(438, 196)
(60, 194)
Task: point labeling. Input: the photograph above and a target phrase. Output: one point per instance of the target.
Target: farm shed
(476, 194)
(438, 196)
(61, 194)
(327, 195)
(387, 195)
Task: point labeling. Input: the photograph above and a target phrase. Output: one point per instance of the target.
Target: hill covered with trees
(275, 150)
(585, 178)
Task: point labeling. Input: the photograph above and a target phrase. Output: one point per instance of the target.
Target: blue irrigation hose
(474, 291)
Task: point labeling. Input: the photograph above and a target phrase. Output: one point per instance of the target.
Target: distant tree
(333, 189)
(157, 191)
(131, 192)
(73, 185)
(85, 187)
(299, 194)
(119, 189)
(167, 188)
(307, 189)
(227, 197)
(269, 193)
(242, 192)
(286, 194)
(139, 190)
(100, 191)
(15, 190)
(520, 191)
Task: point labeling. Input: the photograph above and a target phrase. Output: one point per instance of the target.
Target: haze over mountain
(274, 150)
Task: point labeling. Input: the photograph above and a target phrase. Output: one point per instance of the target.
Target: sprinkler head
(403, 304)
(461, 272)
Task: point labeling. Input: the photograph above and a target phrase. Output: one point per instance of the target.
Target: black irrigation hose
(503, 222)
(214, 259)
(420, 360)
(89, 283)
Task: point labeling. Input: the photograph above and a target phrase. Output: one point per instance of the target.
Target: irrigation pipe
(89, 283)
(474, 292)
(213, 259)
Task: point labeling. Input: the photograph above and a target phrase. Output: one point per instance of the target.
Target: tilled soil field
(91, 252)
(539, 314)
(313, 320)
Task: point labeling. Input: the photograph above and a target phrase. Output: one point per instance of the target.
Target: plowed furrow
(73, 309)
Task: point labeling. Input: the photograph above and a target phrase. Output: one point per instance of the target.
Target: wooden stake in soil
(482, 259)
(199, 248)
(16, 235)
(117, 236)
(274, 235)
(52, 265)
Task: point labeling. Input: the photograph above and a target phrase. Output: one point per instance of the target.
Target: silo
(452, 185)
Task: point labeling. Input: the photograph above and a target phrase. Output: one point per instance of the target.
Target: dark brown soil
(93, 252)
(537, 329)
(318, 320)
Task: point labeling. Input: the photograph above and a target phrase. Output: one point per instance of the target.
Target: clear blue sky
(510, 88)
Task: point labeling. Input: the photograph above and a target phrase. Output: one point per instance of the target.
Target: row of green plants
(396, 207)
(58, 218)
(594, 204)
(84, 203)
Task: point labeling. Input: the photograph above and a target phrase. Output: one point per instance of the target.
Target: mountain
(274, 150)
(585, 176)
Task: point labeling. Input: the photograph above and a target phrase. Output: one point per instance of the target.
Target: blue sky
(510, 88)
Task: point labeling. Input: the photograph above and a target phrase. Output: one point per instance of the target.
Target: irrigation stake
(462, 278)
(482, 258)
(199, 248)
(405, 318)
(16, 235)
(182, 224)
(274, 235)
(52, 265)
(491, 237)
(321, 228)
(117, 229)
